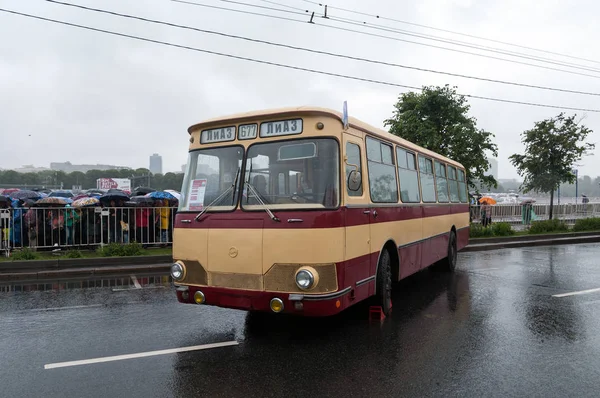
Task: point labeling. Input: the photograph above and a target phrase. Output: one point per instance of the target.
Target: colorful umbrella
(488, 199)
(81, 195)
(174, 193)
(84, 202)
(161, 195)
(51, 201)
(22, 195)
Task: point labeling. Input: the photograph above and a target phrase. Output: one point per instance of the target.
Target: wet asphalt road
(491, 329)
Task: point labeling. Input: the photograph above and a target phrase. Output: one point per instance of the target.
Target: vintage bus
(302, 211)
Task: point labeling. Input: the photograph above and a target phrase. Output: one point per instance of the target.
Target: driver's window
(353, 154)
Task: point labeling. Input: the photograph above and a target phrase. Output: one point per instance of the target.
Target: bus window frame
(432, 160)
(416, 169)
(394, 162)
(236, 202)
(294, 137)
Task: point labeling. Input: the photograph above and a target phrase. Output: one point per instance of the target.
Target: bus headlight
(307, 278)
(177, 271)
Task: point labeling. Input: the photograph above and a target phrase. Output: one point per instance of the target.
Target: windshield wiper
(258, 197)
(221, 196)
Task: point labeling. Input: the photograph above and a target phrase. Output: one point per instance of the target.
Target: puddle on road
(121, 282)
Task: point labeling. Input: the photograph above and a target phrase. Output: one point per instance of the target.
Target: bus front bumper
(249, 300)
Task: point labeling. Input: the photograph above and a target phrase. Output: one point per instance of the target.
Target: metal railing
(517, 214)
(86, 227)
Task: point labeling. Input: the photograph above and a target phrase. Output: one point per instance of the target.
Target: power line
(449, 31)
(284, 5)
(318, 51)
(464, 44)
(390, 38)
(429, 37)
(282, 65)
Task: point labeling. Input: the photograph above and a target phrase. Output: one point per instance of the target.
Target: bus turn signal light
(276, 305)
(199, 297)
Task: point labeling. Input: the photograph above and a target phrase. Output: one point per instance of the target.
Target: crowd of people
(31, 219)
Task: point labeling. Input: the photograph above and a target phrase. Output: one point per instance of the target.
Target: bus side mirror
(354, 180)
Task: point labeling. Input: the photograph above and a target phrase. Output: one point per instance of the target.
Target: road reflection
(344, 354)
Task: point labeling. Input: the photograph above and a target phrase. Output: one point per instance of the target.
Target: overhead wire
(383, 28)
(293, 67)
(206, 31)
(448, 31)
(390, 38)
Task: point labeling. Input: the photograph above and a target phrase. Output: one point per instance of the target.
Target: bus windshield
(292, 174)
(212, 179)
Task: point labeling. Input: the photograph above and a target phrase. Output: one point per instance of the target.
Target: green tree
(437, 119)
(552, 148)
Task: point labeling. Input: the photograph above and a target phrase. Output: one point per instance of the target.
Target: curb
(68, 263)
(529, 243)
(86, 272)
(521, 238)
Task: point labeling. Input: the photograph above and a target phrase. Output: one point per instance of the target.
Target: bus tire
(383, 285)
(449, 263)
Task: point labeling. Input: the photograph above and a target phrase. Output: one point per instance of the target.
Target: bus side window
(462, 187)
(441, 182)
(427, 180)
(409, 179)
(453, 184)
(353, 154)
(383, 183)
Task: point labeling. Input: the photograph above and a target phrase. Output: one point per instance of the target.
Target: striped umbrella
(84, 202)
(51, 201)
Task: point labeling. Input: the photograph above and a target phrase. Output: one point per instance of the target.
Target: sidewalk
(482, 244)
(40, 270)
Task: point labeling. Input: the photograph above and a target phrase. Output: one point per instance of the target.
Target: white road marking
(135, 282)
(577, 293)
(75, 307)
(483, 269)
(139, 355)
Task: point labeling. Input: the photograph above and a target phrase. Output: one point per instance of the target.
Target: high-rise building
(493, 170)
(155, 164)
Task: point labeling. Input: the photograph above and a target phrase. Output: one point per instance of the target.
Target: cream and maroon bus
(301, 211)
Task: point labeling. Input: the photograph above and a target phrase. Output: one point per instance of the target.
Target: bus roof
(309, 110)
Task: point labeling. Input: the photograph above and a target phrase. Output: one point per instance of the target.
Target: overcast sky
(68, 94)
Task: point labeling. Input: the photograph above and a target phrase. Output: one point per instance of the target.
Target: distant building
(493, 170)
(30, 169)
(155, 164)
(68, 167)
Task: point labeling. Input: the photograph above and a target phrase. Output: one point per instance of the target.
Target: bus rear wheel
(449, 263)
(384, 283)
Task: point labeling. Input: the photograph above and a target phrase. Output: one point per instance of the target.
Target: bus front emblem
(233, 252)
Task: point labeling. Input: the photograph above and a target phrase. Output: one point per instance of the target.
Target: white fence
(516, 214)
(52, 227)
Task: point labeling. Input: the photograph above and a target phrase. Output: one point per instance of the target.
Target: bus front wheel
(384, 283)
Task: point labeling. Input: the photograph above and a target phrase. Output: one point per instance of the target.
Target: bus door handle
(369, 211)
(186, 221)
(290, 220)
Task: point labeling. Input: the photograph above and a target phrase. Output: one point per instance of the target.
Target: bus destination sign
(282, 127)
(218, 135)
(247, 131)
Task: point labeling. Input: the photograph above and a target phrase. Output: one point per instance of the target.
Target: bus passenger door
(358, 218)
